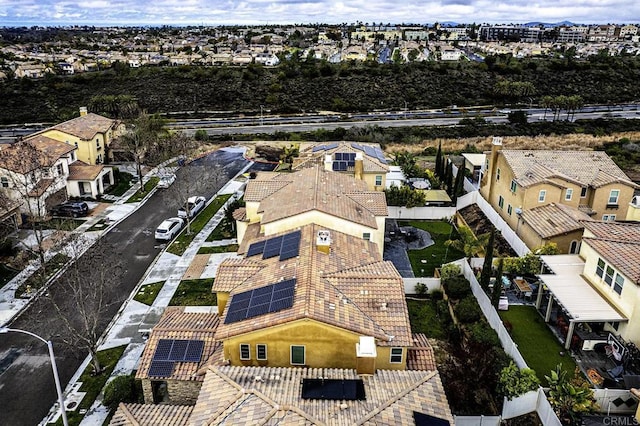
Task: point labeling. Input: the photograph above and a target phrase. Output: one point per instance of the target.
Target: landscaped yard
(194, 293)
(537, 344)
(148, 186)
(429, 316)
(124, 181)
(218, 249)
(182, 242)
(425, 261)
(148, 293)
(223, 231)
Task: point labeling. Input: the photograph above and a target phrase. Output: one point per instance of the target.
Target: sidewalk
(134, 320)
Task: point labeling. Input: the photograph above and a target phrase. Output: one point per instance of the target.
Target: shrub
(436, 295)
(420, 289)
(457, 287)
(515, 381)
(7, 249)
(450, 270)
(120, 389)
(481, 333)
(468, 310)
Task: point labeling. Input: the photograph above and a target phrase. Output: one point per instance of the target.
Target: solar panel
(333, 389)
(178, 350)
(163, 349)
(272, 247)
(369, 151)
(338, 156)
(271, 298)
(335, 166)
(357, 146)
(194, 351)
(161, 368)
(331, 146)
(421, 419)
(351, 163)
(256, 248)
(318, 148)
(284, 255)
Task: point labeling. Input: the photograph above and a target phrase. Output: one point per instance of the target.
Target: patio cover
(574, 293)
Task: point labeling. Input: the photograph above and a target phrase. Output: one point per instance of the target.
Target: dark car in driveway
(72, 209)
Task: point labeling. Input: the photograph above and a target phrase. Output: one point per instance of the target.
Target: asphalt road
(27, 389)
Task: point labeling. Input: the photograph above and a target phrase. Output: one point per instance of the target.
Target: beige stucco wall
(601, 199)
(533, 240)
(370, 179)
(633, 212)
(88, 150)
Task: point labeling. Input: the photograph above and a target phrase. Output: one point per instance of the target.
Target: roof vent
(323, 241)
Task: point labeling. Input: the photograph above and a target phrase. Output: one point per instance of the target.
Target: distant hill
(549, 24)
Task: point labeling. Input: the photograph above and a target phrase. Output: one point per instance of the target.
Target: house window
(97, 143)
(4, 182)
(261, 352)
(608, 275)
(509, 209)
(514, 186)
(542, 195)
(613, 196)
(366, 236)
(568, 194)
(500, 201)
(378, 180)
(73, 157)
(498, 175)
(297, 355)
(608, 217)
(396, 356)
(245, 351)
(600, 268)
(583, 192)
(617, 285)
(60, 169)
(573, 247)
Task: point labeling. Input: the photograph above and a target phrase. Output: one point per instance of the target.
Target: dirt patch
(480, 224)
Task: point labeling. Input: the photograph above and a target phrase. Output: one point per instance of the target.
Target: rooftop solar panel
(288, 254)
(271, 298)
(163, 349)
(178, 350)
(318, 148)
(338, 156)
(333, 389)
(194, 351)
(356, 146)
(161, 368)
(331, 146)
(256, 248)
(335, 166)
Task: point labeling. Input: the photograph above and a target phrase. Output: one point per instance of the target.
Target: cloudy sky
(261, 12)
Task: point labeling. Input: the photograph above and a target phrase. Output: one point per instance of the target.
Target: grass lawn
(194, 293)
(92, 385)
(429, 316)
(182, 242)
(36, 280)
(148, 293)
(537, 344)
(223, 231)
(148, 186)
(437, 254)
(62, 224)
(124, 182)
(6, 274)
(218, 249)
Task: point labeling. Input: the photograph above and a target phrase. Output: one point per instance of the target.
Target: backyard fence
(430, 213)
(615, 401)
(476, 420)
(431, 283)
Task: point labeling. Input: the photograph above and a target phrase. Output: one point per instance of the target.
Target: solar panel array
(286, 246)
(170, 351)
(260, 301)
(339, 166)
(371, 151)
(318, 148)
(333, 389)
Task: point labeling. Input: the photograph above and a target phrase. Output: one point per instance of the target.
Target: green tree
(439, 161)
(497, 286)
(570, 399)
(120, 389)
(487, 266)
(516, 381)
(467, 242)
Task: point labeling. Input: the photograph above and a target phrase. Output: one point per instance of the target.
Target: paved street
(26, 384)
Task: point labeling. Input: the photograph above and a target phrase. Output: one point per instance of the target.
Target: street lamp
(261, 120)
(53, 367)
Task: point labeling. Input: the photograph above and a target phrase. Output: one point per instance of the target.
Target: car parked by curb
(70, 209)
(193, 206)
(169, 228)
(166, 181)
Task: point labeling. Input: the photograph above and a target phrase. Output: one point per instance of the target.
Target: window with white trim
(514, 186)
(542, 195)
(366, 236)
(245, 351)
(378, 180)
(60, 169)
(618, 284)
(498, 175)
(568, 194)
(500, 201)
(261, 352)
(600, 268)
(608, 217)
(297, 355)
(613, 196)
(396, 356)
(608, 275)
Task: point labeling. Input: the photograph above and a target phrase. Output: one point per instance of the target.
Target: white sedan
(166, 181)
(169, 229)
(193, 206)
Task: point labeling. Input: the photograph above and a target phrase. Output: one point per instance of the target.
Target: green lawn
(148, 293)
(124, 182)
(218, 249)
(93, 384)
(430, 317)
(63, 224)
(537, 344)
(194, 293)
(437, 254)
(148, 186)
(37, 280)
(223, 231)
(183, 240)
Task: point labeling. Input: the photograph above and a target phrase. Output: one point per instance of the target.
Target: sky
(271, 12)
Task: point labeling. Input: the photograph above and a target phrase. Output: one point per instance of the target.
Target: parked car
(193, 206)
(166, 181)
(73, 209)
(169, 228)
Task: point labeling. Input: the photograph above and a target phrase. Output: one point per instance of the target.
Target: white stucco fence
(430, 213)
(432, 284)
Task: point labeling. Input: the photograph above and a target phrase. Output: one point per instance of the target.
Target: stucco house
(518, 181)
(87, 180)
(276, 202)
(599, 289)
(90, 133)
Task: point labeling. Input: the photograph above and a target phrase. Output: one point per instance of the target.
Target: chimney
(323, 242)
(83, 111)
(496, 146)
(328, 163)
(366, 354)
(359, 166)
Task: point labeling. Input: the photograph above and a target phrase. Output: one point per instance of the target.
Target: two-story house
(599, 289)
(90, 133)
(519, 181)
(363, 161)
(276, 202)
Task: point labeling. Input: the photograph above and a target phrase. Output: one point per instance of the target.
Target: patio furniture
(595, 377)
(523, 287)
(503, 303)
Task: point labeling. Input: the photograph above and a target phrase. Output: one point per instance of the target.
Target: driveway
(27, 390)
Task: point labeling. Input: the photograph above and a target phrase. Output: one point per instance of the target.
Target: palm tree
(468, 243)
(547, 103)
